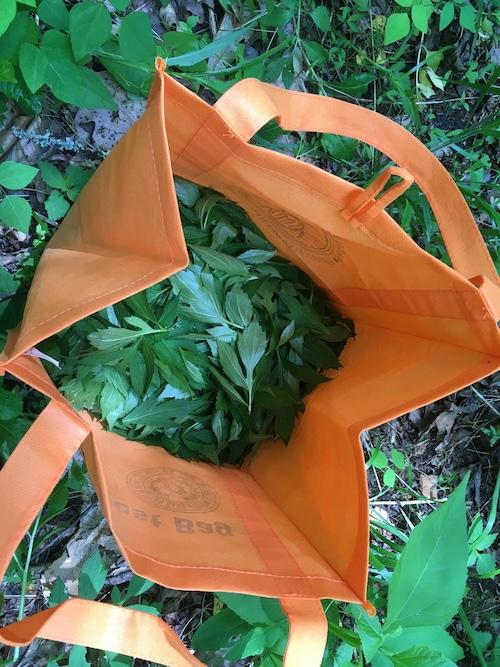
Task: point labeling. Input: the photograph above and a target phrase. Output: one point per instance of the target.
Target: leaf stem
(470, 633)
(24, 581)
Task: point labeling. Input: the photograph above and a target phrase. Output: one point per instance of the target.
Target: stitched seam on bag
(235, 571)
(163, 231)
(145, 275)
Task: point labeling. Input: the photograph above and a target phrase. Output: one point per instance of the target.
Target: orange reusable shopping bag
(293, 522)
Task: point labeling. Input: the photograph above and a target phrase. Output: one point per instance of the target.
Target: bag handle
(250, 104)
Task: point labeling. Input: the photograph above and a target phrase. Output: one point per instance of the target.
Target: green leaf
(34, 64)
(51, 175)
(397, 27)
(250, 644)
(447, 15)
(58, 593)
(92, 578)
(252, 344)
(420, 656)
(7, 72)
(11, 404)
(114, 337)
(218, 45)
(8, 10)
(136, 38)
(89, 28)
(230, 364)
(55, 45)
(468, 18)
(256, 256)
(15, 212)
(152, 413)
(187, 192)
(340, 148)
(432, 637)
(253, 609)
(218, 630)
(238, 306)
(15, 175)
(138, 586)
(398, 458)
(370, 631)
(220, 261)
(389, 477)
(429, 580)
(420, 15)
(78, 657)
(120, 5)
(78, 85)
(8, 283)
(199, 295)
(56, 205)
(378, 460)
(485, 564)
(322, 18)
(54, 13)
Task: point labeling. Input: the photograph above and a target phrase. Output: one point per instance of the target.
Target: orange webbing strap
(250, 104)
(308, 632)
(104, 626)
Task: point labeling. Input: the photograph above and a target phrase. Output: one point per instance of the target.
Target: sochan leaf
(219, 261)
(429, 580)
(51, 175)
(239, 307)
(136, 38)
(34, 64)
(218, 630)
(8, 283)
(89, 27)
(15, 175)
(397, 27)
(11, 405)
(15, 212)
(420, 656)
(152, 413)
(111, 337)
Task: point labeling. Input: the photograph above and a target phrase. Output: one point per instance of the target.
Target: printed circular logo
(300, 236)
(173, 490)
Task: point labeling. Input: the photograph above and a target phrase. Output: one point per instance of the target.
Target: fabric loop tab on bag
(367, 205)
(308, 632)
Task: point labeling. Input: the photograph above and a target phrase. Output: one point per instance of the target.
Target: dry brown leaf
(428, 486)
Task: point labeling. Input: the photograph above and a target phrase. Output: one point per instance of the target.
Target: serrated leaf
(397, 27)
(152, 413)
(15, 175)
(89, 28)
(93, 577)
(238, 306)
(34, 65)
(230, 364)
(219, 261)
(421, 656)
(56, 205)
(15, 212)
(51, 175)
(256, 256)
(201, 299)
(58, 593)
(136, 38)
(432, 637)
(429, 580)
(252, 344)
(112, 337)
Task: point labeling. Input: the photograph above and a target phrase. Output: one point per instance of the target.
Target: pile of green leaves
(214, 359)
